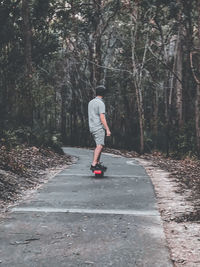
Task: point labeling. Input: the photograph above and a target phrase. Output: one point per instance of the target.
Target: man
(98, 125)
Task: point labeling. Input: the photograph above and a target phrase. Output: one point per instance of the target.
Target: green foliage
(72, 42)
(37, 136)
(182, 142)
(13, 137)
(43, 138)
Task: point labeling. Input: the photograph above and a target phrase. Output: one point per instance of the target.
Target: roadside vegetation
(24, 168)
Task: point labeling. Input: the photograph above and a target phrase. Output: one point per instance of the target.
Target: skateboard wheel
(99, 174)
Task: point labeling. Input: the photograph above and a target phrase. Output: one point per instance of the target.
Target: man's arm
(104, 122)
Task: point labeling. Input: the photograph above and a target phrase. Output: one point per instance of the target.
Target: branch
(113, 69)
(192, 67)
(167, 67)
(110, 18)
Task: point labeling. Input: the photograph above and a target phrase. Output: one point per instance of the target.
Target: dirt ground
(176, 184)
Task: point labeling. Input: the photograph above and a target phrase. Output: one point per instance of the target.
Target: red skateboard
(98, 173)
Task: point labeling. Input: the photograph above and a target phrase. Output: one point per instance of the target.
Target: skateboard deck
(98, 173)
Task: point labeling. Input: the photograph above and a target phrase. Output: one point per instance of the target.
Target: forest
(55, 52)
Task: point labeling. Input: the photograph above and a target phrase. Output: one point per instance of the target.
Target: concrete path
(79, 220)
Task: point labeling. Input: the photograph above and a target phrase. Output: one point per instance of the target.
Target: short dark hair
(101, 90)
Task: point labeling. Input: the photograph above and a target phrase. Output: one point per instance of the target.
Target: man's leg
(99, 137)
(97, 154)
(98, 160)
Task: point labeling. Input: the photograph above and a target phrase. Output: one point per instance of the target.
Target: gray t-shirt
(95, 107)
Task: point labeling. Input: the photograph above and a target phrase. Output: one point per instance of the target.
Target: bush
(37, 137)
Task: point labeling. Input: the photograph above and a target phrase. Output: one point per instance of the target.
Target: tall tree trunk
(197, 104)
(94, 45)
(179, 68)
(197, 80)
(167, 115)
(137, 74)
(97, 42)
(98, 68)
(197, 118)
(63, 113)
(26, 114)
(178, 86)
(197, 100)
(91, 67)
(27, 36)
(189, 35)
(3, 103)
(141, 116)
(155, 117)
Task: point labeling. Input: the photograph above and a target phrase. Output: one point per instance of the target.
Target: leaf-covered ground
(186, 173)
(23, 168)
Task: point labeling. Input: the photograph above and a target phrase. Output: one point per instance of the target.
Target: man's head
(101, 90)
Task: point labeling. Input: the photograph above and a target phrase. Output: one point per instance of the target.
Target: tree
(26, 108)
(196, 71)
(138, 69)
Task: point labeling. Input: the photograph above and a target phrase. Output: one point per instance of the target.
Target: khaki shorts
(99, 137)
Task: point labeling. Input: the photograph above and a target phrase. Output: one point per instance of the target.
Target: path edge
(183, 248)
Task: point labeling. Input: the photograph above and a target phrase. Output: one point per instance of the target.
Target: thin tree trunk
(179, 69)
(179, 89)
(197, 108)
(141, 117)
(197, 118)
(26, 112)
(137, 74)
(155, 118)
(167, 116)
(27, 36)
(197, 102)
(98, 69)
(63, 113)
